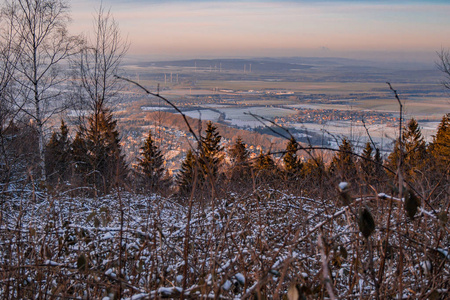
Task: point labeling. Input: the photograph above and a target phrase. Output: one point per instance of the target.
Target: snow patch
(240, 278)
(343, 185)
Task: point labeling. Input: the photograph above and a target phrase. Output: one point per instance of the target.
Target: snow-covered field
(203, 114)
(241, 117)
(155, 108)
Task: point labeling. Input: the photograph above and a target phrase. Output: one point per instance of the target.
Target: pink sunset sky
(391, 30)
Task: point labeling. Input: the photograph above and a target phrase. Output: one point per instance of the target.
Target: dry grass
(253, 245)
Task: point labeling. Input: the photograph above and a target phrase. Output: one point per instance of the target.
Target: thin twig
(325, 267)
(165, 100)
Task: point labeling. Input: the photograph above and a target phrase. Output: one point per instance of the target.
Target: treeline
(93, 163)
(311, 171)
(173, 120)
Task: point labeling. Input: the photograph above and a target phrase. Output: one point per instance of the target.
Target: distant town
(251, 103)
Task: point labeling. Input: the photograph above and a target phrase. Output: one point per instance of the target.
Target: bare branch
(165, 100)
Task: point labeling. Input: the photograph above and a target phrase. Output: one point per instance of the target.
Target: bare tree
(443, 65)
(40, 34)
(99, 61)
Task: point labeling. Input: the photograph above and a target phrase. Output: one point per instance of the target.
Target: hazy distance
(377, 30)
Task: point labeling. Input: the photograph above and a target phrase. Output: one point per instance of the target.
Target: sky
(175, 29)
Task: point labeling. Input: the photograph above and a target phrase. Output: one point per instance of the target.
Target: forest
(79, 222)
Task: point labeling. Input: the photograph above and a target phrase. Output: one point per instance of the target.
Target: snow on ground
(231, 248)
(203, 114)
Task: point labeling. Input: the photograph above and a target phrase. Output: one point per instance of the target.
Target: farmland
(326, 98)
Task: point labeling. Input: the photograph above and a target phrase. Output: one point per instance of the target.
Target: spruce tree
(366, 163)
(239, 159)
(379, 171)
(19, 153)
(292, 163)
(210, 154)
(58, 156)
(80, 159)
(265, 168)
(343, 163)
(238, 153)
(414, 151)
(314, 170)
(440, 147)
(99, 152)
(439, 160)
(186, 176)
(151, 165)
(371, 166)
(264, 161)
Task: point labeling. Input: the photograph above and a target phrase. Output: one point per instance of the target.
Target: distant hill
(264, 64)
(253, 65)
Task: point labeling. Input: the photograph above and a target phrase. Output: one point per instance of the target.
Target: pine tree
(151, 165)
(210, 154)
(99, 154)
(440, 147)
(238, 153)
(343, 163)
(80, 159)
(379, 171)
(366, 163)
(264, 161)
(58, 156)
(292, 163)
(314, 171)
(186, 176)
(371, 165)
(265, 167)
(414, 151)
(239, 157)
(439, 161)
(19, 153)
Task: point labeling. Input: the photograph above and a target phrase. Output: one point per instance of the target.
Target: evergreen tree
(98, 152)
(378, 162)
(366, 163)
(292, 163)
(343, 163)
(314, 172)
(379, 173)
(238, 153)
(438, 164)
(440, 147)
(264, 162)
(371, 165)
(210, 153)
(19, 153)
(186, 176)
(414, 151)
(265, 167)
(239, 158)
(80, 159)
(151, 165)
(58, 156)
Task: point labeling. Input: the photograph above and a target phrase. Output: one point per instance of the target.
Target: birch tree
(39, 28)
